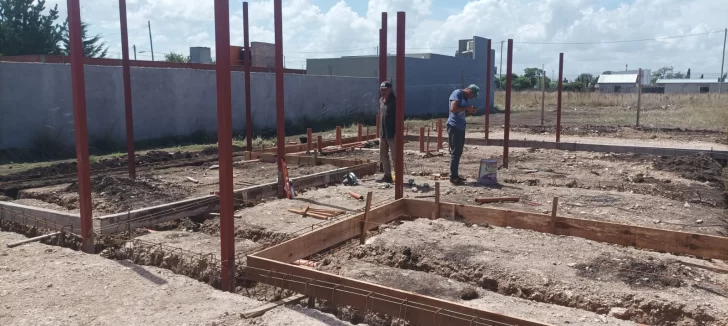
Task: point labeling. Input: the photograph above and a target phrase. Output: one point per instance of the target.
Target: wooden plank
(327, 237)
(259, 311)
(416, 308)
(363, 232)
(38, 238)
(675, 242)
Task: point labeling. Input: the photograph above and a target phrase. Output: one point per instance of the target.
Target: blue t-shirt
(457, 120)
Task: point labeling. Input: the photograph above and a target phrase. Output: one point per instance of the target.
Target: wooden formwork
(274, 265)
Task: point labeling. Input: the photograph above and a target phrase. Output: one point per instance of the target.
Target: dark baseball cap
(385, 84)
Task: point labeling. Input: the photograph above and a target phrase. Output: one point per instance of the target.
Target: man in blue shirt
(456, 126)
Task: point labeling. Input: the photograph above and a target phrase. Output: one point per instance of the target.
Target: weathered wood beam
(675, 242)
(415, 308)
(329, 236)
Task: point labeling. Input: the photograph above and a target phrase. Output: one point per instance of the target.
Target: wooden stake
(554, 208)
(359, 134)
(439, 134)
(363, 235)
(320, 141)
(437, 200)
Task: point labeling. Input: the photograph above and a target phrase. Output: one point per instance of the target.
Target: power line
(622, 41)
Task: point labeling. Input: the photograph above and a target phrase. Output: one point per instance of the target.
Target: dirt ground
(45, 285)
(118, 193)
(630, 284)
(559, 280)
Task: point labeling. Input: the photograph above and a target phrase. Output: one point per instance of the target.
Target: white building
(701, 86)
(617, 83)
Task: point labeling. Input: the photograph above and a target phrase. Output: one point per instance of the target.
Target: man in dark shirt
(456, 126)
(387, 112)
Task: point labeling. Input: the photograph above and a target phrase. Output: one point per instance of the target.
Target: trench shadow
(325, 317)
(313, 202)
(142, 272)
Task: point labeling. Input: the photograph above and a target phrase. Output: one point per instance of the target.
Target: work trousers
(456, 140)
(386, 146)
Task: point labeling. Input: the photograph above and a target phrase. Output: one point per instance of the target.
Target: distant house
(619, 83)
(701, 86)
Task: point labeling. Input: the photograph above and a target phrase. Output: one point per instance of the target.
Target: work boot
(387, 178)
(457, 181)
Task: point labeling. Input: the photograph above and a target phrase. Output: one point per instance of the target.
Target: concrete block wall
(166, 102)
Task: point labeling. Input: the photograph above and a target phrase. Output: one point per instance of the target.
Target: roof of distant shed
(618, 79)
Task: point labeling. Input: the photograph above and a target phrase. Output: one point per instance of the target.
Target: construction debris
(191, 179)
(319, 213)
(355, 195)
(497, 200)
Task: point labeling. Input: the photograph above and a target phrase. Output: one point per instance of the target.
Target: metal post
(558, 97)
(543, 93)
(358, 136)
(399, 146)
(338, 136)
(309, 139)
(135, 52)
(246, 67)
(383, 50)
(509, 81)
(422, 139)
(151, 45)
(722, 63)
(488, 77)
(280, 119)
(639, 94)
(126, 71)
(439, 134)
(500, 70)
(80, 125)
(225, 144)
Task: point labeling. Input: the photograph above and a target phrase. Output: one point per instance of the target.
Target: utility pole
(149, 25)
(500, 70)
(722, 63)
(639, 95)
(543, 92)
(134, 46)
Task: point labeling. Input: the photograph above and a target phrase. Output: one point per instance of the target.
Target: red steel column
(422, 139)
(309, 139)
(246, 67)
(359, 134)
(78, 88)
(399, 134)
(127, 91)
(280, 119)
(488, 75)
(225, 144)
(439, 134)
(383, 50)
(558, 97)
(509, 81)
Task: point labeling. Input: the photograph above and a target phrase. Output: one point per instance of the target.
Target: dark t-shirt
(388, 113)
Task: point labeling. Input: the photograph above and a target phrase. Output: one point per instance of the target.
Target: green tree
(26, 29)
(687, 75)
(586, 79)
(176, 57)
(521, 83)
(92, 46)
(607, 72)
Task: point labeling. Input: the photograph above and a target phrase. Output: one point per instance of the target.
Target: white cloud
(312, 31)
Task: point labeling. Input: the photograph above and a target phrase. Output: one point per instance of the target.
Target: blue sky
(331, 28)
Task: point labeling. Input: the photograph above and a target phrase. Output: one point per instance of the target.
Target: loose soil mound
(123, 194)
(648, 273)
(699, 167)
(65, 168)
